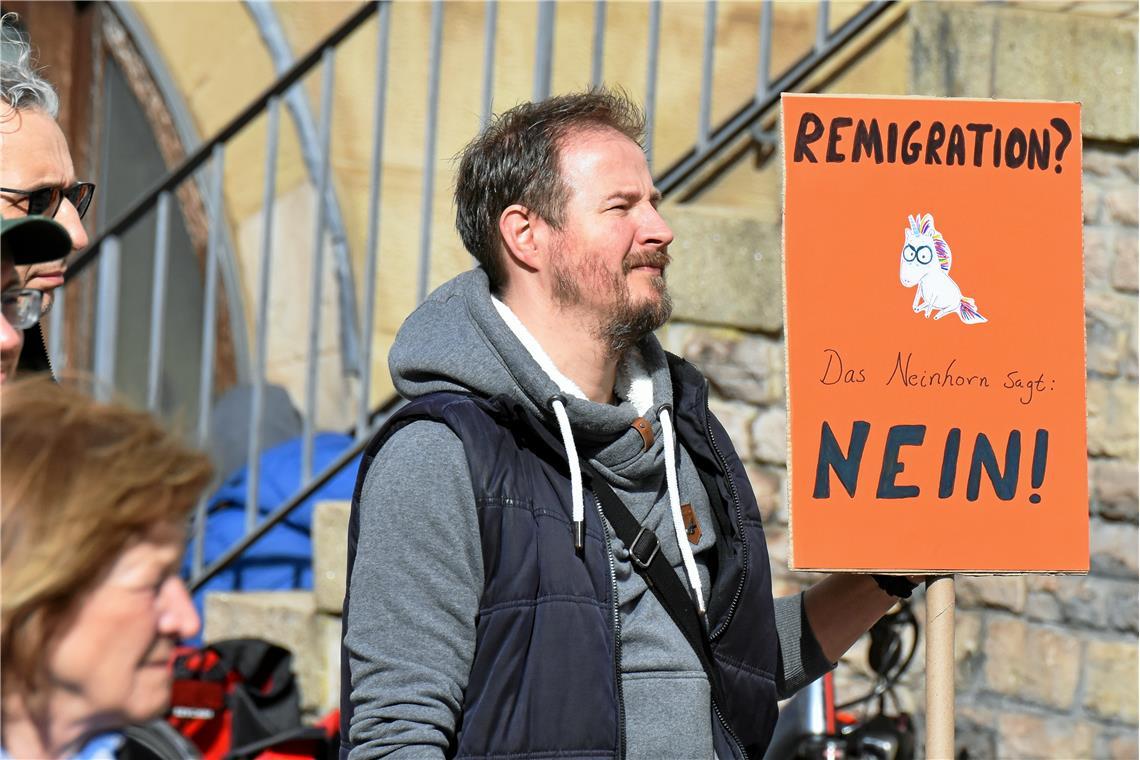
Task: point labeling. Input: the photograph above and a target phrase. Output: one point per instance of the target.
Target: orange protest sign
(935, 333)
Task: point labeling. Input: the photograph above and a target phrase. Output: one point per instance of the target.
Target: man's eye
(39, 201)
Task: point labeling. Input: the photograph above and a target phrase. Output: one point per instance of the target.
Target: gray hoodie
(418, 574)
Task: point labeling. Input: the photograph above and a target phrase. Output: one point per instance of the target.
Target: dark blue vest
(545, 678)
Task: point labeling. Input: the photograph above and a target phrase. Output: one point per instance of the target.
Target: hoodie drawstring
(576, 496)
(675, 507)
(575, 472)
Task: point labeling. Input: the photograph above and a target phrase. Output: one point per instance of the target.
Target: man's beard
(625, 322)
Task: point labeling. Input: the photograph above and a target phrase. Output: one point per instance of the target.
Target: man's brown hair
(80, 482)
(515, 159)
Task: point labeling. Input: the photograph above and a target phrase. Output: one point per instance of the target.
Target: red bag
(238, 700)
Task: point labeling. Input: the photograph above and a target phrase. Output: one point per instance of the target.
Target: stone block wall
(1046, 665)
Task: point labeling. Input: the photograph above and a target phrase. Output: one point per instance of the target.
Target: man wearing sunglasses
(36, 173)
(24, 242)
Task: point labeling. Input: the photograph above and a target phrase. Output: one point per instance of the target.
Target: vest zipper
(617, 631)
(714, 635)
(744, 558)
(729, 731)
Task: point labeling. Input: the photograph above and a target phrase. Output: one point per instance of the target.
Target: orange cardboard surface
(935, 332)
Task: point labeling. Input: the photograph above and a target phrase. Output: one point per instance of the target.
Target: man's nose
(68, 216)
(178, 617)
(654, 230)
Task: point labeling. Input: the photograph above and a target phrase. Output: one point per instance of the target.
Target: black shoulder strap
(651, 565)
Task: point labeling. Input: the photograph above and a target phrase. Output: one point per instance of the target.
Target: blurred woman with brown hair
(95, 501)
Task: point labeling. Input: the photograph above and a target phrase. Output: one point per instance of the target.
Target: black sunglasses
(46, 200)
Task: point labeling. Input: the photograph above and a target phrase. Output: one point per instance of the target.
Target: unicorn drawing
(926, 263)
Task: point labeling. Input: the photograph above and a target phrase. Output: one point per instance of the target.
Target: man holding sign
(554, 549)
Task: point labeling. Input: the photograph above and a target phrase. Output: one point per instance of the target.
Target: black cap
(33, 239)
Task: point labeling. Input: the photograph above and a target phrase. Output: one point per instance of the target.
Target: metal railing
(711, 142)
(314, 156)
(209, 160)
(105, 250)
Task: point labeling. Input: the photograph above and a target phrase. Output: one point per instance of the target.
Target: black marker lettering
(980, 131)
(806, 136)
(911, 150)
(897, 437)
(1015, 148)
(834, 138)
(868, 140)
(1039, 150)
(956, 149)
(846, 466)
(934, 140)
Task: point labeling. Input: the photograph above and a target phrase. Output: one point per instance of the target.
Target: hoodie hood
(457, 341)
(461, 339)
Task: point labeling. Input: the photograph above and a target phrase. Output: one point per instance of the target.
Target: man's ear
(517, 228)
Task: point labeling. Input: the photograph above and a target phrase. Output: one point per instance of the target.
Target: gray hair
(20, 85)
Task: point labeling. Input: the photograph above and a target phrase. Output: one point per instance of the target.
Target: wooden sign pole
(940, 667)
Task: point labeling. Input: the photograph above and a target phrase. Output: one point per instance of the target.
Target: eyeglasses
(46, 201)
(22, 306)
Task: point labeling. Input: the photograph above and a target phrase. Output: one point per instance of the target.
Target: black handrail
(199, 156)
(689, 164)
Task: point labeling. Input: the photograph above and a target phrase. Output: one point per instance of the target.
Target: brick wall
(1046, 665)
